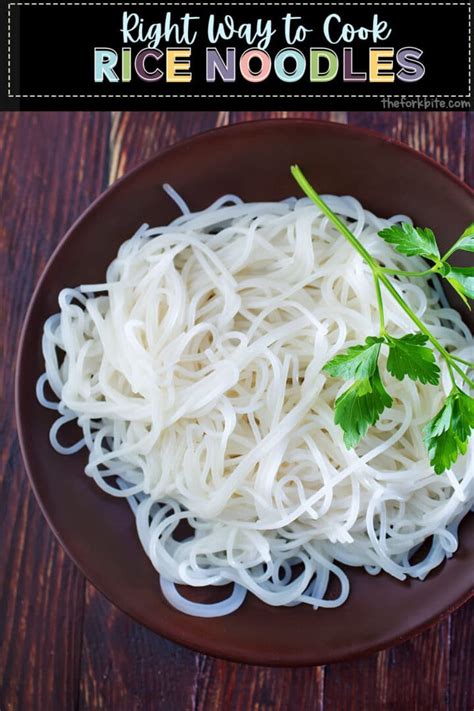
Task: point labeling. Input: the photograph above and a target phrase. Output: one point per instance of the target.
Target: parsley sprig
(421, 242)
(361, 404)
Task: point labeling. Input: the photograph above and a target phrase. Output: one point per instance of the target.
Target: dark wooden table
(62, 644)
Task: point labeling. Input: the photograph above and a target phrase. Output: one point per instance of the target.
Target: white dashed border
(237, 96)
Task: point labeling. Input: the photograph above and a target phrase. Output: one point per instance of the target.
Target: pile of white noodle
(195, 374)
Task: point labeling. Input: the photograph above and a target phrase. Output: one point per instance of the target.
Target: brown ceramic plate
(98, 531)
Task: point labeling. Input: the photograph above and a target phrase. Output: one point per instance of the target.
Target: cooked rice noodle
(195, 374)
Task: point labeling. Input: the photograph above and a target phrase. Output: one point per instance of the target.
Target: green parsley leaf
(409, 355)
(444, 450)
(360, 406)
(463, 415)
(447, 434)
(466, 240)
(462, 279)
(357, 362)
(411, 240)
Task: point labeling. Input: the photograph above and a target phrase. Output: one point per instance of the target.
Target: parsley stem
(380, 273)
(400, 272)
(451, 375)
(308, 189)
(461, 360)
(453, 249)
(461, 372)
(378, 292)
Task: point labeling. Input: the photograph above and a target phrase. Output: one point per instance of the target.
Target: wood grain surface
(62, 644)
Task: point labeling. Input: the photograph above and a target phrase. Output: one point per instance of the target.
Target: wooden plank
(212, 683)
(462, 622)
(441, 135)
(125, 666)
(113, 674)
(52, 167)
(416, 673)
(461, 686)
(350, 686)
(337, 116)
(469, 150)
(136, 136)
(48, 175)
(413, 675)
(223, 685)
